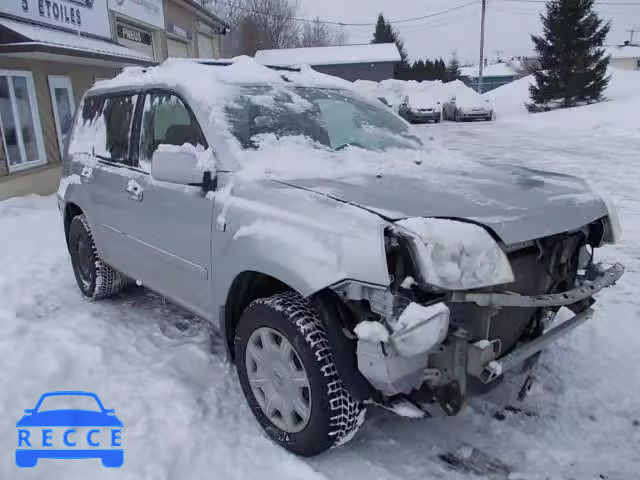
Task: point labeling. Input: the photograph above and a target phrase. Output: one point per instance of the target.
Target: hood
(517, 204)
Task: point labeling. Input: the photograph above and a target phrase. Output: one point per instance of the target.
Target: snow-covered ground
(183, 412)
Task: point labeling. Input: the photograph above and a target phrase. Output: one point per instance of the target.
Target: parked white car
(467, 105)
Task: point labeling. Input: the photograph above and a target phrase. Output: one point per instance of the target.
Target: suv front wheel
(288, 376)
(96, 279)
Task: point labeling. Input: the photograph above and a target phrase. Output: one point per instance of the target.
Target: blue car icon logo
(52, 429)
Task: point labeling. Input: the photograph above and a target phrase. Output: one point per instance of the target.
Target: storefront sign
(147, 11)
(87, 16)
(133, 34)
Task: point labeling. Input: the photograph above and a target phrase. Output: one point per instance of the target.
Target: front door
(170, 225)
(63, 103)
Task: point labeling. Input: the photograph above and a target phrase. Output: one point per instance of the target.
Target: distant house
(493, 76)
(626, 57)
(352, 62)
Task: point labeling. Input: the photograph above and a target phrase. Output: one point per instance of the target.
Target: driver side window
(166, 121)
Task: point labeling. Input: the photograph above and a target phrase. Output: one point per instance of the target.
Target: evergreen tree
(440, 69)
(453, 69)
(385, 33)
(573, 65)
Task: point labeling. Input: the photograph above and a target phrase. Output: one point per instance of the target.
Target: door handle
(134, 190)
(86, 174)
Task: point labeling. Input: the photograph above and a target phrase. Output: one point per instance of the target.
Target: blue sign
(46, 432)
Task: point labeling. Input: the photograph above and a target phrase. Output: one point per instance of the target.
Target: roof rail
(227, 63)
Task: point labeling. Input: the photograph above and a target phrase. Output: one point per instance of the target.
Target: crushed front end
(463, 309)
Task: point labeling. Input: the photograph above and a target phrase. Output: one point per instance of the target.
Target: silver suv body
(346, 261)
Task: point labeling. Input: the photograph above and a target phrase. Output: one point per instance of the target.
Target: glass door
(20, 121)
(63, 107)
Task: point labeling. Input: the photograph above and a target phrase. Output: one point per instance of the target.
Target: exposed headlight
(455, 255)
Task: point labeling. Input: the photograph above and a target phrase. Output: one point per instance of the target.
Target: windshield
(331, 118)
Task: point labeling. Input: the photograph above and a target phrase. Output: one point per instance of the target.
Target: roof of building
(42, 36)
(336, 55)
(624, 51)
(494, 70)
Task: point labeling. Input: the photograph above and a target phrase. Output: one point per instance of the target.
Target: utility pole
(481, 66)
(631, 32)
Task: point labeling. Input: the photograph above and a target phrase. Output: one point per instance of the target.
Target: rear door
(169, 225)
(107, 174)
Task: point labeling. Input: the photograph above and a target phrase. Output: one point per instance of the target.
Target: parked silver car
(346, 262)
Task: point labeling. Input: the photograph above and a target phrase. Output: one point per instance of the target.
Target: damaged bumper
(422, 348)
(595, 280)
(482, 362)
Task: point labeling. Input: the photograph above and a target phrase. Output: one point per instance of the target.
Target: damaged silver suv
(346, 261)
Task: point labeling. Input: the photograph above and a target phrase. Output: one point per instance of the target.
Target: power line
(627, 4)
(430, 25)
(347, 24)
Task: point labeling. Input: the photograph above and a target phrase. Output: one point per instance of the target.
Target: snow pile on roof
(204, 79)
(71, 41)
(623, 90)
(336, 55)
(624, 51)
(494, 70)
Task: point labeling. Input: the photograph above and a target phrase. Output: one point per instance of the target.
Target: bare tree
(264, 24)
(340, 37)
(315, 34)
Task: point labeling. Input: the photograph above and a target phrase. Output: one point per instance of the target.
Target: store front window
(20, 121)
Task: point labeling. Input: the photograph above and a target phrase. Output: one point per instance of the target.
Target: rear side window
(118, 117)
(166, 121)
(104, 127)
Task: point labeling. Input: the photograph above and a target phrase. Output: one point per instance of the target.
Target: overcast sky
(508, 24)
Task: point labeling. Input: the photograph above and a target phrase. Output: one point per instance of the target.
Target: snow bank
(620, 109)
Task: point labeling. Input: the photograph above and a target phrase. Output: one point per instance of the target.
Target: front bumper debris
(483, 363)
(496, 368)
(599, 279)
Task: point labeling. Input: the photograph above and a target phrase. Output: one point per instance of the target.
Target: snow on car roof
(196, 77)
(336, 55)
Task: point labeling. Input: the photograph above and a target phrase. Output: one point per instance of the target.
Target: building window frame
(35, 115)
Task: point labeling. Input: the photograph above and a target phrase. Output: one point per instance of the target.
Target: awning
(32, 41)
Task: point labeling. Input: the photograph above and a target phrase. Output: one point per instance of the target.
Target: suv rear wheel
(95, 279)
(288, 376)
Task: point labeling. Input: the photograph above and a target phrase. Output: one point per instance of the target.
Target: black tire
(335, 416)
(95, 279)
(456, 116)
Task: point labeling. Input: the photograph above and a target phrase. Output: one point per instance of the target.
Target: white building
(626, 57)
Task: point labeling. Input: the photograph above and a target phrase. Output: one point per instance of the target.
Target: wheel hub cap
(278, 380)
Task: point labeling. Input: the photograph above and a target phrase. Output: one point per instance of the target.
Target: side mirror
(28, 410)
(177, 166)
